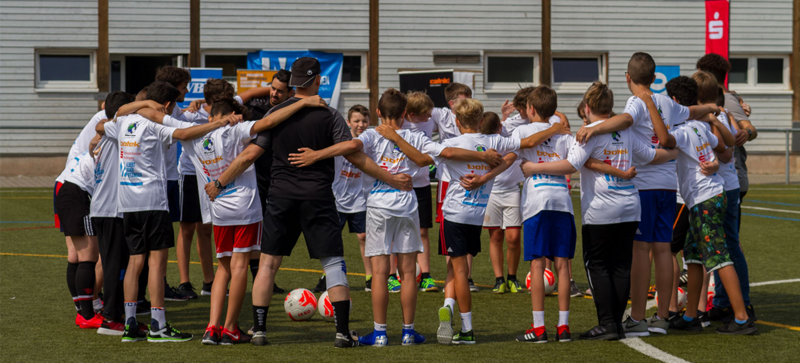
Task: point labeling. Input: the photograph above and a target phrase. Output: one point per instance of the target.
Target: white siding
(148, 27)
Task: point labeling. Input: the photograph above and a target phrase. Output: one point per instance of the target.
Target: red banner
(717, 19)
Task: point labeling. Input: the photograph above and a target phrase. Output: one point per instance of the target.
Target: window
(508, 72)
(228, 63)
(354, 71)
(575, 72)
(449, 58)
(59, 70)
(759, 72)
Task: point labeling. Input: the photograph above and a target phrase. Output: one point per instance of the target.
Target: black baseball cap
(304, 71)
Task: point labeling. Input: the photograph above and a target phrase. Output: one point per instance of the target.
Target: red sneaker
(78, 319)
(562, 334)
(111, 328)
(211, 336)
(534, 335)
(94, 323)
(236, 336)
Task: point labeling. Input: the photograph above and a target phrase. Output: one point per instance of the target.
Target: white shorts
(503, 211)
(387, 234)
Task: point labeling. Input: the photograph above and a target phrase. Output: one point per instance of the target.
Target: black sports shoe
(276, 289)
(751, 314)
(704, 320)
(237, 336)
(172, 294)
(717, 314)
(186, 289)
(206, 290)
(132, 333)
(563, 334)
(211, 336)
(259, 338)
(734, 328)
(346, 342)
(681, 324)
(368, 285)
(167, 334)
(472, 286)
(533, 336)
(143, 308)
(684, 278)
(322, 285)
(601, 332)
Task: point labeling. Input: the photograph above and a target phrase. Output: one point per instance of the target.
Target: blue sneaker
(375, 339)
(394, 285)
(411, 337)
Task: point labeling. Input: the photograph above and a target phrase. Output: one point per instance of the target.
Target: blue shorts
(658, 216)
(549, 234)
(357, 221)
(174, 200)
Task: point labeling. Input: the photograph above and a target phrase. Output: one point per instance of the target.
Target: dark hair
(544, 100)
(642, 68)
(162, 92)
(357, 109)
(115, 100)
(283, 76)
(228, 106)
(217, 89)
(720, 97)
(599, 98)
(715, 64)
(684, 89)
(392, 104)
(173, 75)
(521, 98)
(491, 123)
(142, 95)
(453, 90)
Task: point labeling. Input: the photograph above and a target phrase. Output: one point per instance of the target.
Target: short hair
(115, 100)
(357, 109)
(142, 95)
(581, 111)
(683, 89)
(217, 89)
(707, 87)
(544, 100)
(392, 104)
(521, 98)
(491, 123)
(419, 103)
(642, 68)
(283, 76)
(599, 98)
(720, 97)
(162, 92)
(453, 90)
(228, 106)
(715, 64)
(173, 75)
(469, 112)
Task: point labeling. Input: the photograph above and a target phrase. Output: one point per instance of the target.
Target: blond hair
(707, 87)
(469, 112)
(419, 103)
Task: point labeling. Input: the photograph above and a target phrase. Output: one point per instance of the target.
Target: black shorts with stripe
(458, 239)
(72, 207)
(679, 229)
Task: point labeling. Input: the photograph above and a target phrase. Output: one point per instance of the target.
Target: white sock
(466, 322)
(451, 303)
(160, 316)
(408, 326)
(563, 318)
(97, 304)
(130, 312)
(633, 320)
(380, 327)
(538, 319)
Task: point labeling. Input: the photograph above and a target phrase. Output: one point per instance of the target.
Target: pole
(102, 50)
(372, 66)
(546, 78)
(795, 61)
(787, 157)
(194, 33)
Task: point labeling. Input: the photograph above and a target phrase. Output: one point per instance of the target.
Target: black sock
(393, 275)
(341, 317)
(254, 267)
(84, 283)
(260, 318)
(426, 275)
(499, 280)
(72, 268)
(512, 277)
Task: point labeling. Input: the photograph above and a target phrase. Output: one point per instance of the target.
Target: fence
(788, 146)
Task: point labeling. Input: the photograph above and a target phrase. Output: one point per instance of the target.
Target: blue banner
(663, 75)
(199, 77)
(330, 64)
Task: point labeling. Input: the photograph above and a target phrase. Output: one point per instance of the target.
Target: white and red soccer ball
(549, 281)
(326, 308)
(419, 275)
(300, 304)
(682, 298)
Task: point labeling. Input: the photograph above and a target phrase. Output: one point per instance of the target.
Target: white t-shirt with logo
(696, 143)
(238, 203)
(389, 157)
(606, 199)
(185, 166)
(728, 170)
(348, 187)
(461, 205)
(543, 191)
(423, 176)
(83, 140)
(142, 172)
(445, 121)
(661, 176)
(172, 151)
(106, 175)
(80, 171)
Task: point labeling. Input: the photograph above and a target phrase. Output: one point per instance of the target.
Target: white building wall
(148, 27)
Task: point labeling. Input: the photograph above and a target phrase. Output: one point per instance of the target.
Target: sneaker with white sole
(445, 332)
(346, 342)
(635, 328)
(167, 334)
(657, 325)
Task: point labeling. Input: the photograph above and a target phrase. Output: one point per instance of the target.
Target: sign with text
(717, 26)
(432, 82)
(251, 78)
(330, 64)
(199, 78)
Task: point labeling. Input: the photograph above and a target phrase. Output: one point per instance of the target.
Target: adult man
(301, 200)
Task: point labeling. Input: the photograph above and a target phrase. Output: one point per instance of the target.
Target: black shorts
(425, 200)
(72, 207)
(147, 231)
(357, 221)
(458, 239)
(317, 220)
(174, 200)
(679, 229)
(190, 200)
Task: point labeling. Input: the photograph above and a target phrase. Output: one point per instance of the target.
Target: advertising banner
(199, 77)
(431, 82)
(330, 63)
(663, 75)
(717, 25)
(247, 79)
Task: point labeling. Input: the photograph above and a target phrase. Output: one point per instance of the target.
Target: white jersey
(389, 157)
(142, 172)
(185, 165)
(461, 205)
(80, 171)
(423, 176)
(661, 176)
(83, 140)
(172, 150)
(606, 199)
(348, 187)
(728, 170)
(542, 191)
(238, 203)
(445, 121)
(106, 175)
(511, 177)
(696, 142)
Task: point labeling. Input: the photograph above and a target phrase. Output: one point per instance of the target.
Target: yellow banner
(250, 78)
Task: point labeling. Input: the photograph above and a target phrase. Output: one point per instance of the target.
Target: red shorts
(230, 239)
(441, 191)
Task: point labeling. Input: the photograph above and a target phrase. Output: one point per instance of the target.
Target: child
(610, 208)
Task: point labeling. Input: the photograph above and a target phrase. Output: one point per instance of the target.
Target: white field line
(771, 209)
(640, 346)
(774, 282)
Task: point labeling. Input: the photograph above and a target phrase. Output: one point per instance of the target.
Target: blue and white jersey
(80, 171)
(106, 175)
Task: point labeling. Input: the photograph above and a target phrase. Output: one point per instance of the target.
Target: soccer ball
(300, 304)
(549, 281)
(326, 308)
(682, 299)
(712, 284)
(419, 275)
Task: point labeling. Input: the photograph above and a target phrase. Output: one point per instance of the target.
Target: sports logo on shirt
(131, 129)
(396, 148)
(480, 148)
(208, 145)
(616, 136)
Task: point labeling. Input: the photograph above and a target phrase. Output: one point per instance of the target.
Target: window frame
(752, 73)
(509, 87)
(580, 87)
(66, 86)
(224, 53)
(364, 84)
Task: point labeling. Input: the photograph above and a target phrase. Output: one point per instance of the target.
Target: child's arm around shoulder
(540, 137)
(275, 118)
(664, 138)
(409, 150)
(307, 157)
(472, 181)
(603, 168)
